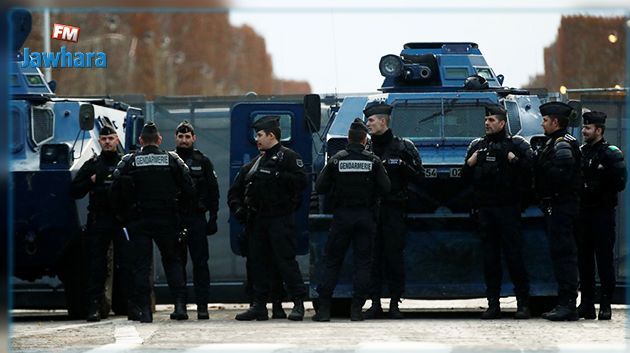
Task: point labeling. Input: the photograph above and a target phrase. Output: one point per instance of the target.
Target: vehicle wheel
(539, 305)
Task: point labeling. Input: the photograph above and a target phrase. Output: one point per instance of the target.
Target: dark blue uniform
(604, 173)
(500, 187)
(206, 199)
(150, 183)
(269, 196)
(356, 179)
(404, 166)
(558, 182)
(103, 228)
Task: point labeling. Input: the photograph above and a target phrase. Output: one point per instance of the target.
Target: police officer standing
(150, 183)
(266, 192)
(356, 179)
(95, 177)
(604, 173)
(500, 169)
(558, 182)
(206, 199)
(404, 166)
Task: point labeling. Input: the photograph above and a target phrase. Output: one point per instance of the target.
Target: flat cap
(266, 122)
(556, 108)
(594, 117)
(377, 107)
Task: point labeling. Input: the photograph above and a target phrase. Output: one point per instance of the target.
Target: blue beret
(266, 122)
(594, 118)
(377, 108)
(556, 108)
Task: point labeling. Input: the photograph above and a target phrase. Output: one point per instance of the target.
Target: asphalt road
(430, 326)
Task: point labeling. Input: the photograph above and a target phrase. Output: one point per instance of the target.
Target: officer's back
(155, 178)
(355, 177)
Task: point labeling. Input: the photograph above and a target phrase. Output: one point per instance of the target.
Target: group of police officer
(152, 195)
(576, 188)
(147, 196)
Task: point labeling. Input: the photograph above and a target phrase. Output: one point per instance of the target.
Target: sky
(336, 46)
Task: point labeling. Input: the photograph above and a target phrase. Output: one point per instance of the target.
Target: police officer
(356, 179)
(267, 192)
(500, 169)
(404, 166)
(150, 183)
(95, 177)
(206, 199)
(604, 173)
(558, 182)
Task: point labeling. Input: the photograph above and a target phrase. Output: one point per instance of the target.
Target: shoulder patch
(614, 148)
(569, 137)
(299, 162)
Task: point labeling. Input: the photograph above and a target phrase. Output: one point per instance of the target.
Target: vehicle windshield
(434, 121)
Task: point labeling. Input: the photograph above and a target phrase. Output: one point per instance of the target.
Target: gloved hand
(241, 215)
(211, 227)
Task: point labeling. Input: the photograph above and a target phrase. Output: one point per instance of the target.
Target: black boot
(494, 310)
(146, 315)
(565, 311)
(297, 313)
(277, 312)
(522, 308)
(605, 311)
(356, 309)
(94, 312)
(133, 312)
(375, 311)
(394, 311)
(586, 310)
(258, 312)
(180, 312)
(323, 312)
(202, 311)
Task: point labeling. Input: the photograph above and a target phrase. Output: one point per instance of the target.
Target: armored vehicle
(51, 138)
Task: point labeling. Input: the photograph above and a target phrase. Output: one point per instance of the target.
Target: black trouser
(596, 240)
(272, 241)
(163, 231)
(102, 230)
(388, 259)
(277, 286)
(500, 229)
(354, 225)
(198, 247)
(563, 249)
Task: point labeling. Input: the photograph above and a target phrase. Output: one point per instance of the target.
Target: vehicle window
(34, 80)
(514, 119)
(456, 73)
(425, 122)
(484, 72)
(42, 125)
